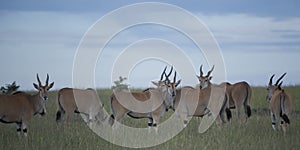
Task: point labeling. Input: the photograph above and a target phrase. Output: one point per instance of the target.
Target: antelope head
(272, 88)
(162, 83)
(172, 85)
(43, 92)
(167, 86)
(204, 80)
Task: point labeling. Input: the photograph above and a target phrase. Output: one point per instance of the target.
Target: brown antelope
(280, 103)
(237, 95)
(171, 86)
(151, 103)
(204, 82)
(20, 107)
(86, 102)
(198, 102)
(171, 90)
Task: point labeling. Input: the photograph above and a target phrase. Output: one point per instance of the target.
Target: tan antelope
(171, 86)
(151, 103)
(171, 90)
(198, 102)
(20, 107)
(280, 103)
(237, 95)
(204, 82)
(86, 102)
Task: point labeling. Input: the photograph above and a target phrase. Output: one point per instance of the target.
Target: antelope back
(280, 102)
(14, 107)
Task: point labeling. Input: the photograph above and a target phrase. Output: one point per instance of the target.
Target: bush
(119, 85)
(9, 88)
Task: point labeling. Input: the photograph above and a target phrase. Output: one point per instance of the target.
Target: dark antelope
(20, 107)
(279, 102)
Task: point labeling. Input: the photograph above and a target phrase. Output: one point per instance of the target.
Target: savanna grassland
(45, 133)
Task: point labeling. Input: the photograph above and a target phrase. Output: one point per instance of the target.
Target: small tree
(9, 88)
(120, 85)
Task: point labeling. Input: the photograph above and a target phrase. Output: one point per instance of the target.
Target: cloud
(274, 8)
(244, 31)
(35, 37)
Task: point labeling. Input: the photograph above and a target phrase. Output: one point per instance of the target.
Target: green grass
(44, 133)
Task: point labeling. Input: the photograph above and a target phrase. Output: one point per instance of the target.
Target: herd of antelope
(151, 103)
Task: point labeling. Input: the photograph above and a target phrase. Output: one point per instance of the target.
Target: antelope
(86, 102)
(20, 107)
(171, 86)
(151, 103)
(205, 82)
(237, 95)
(280, 103)
(171, 89)
(198, 102)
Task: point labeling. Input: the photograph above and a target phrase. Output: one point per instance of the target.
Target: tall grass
(45, 133)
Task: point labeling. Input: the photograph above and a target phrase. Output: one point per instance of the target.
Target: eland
(152, 103)
(237, 95)
(20, 107)
(198, 102)
(86, 102)
(204, 82)
(280, 103)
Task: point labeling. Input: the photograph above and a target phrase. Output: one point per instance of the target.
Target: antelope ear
(36, 86)
(155, 83)
(50, 86)
(177, 83)
(210, 78)
(198, 77)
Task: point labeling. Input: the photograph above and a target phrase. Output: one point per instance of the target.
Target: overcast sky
(256, 39)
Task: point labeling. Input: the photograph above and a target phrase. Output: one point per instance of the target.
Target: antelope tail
(112, 117)
(248, 111)
(283, 114)
(228, 114)
(227, 107)
(59, 108)
(247, 102)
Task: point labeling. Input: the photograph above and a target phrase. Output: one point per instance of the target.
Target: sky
(255, 38)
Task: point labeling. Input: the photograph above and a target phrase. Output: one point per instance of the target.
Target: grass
(44, 133)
